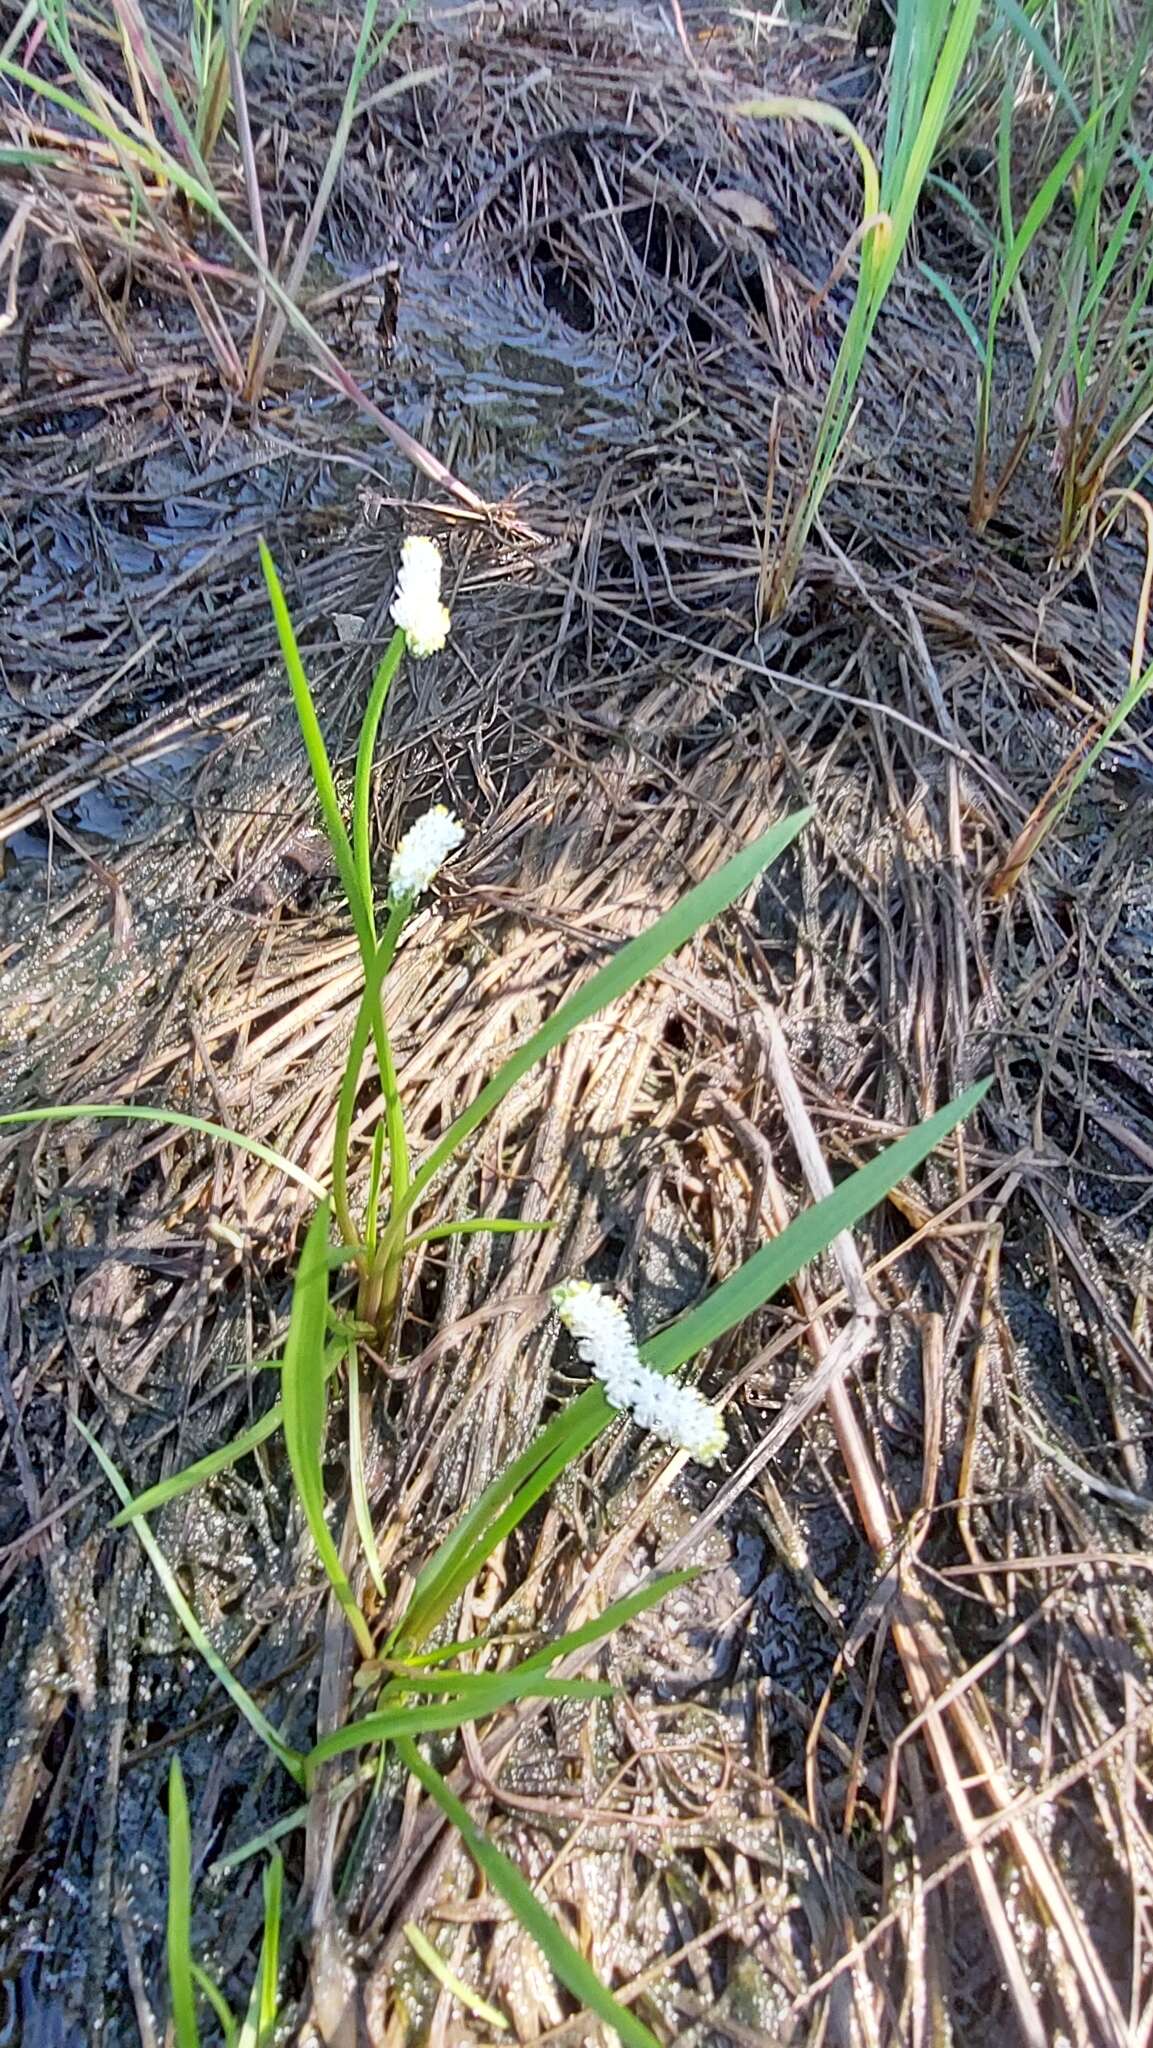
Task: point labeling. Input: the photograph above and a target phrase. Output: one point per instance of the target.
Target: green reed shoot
(185, 1976)
(292, 1761)
(260, 2020)
(181, 1990)
(930, 44)
(447, 1978)
(1084, 757)
(303, 1388)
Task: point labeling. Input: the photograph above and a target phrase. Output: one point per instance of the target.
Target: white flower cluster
(678, 1415)
(424, 848)
(417, 608)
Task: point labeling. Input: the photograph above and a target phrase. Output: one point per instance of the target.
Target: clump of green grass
(931, 42)
(421, 1690)
(185, 1976)
(151, 172)
(1093, 361)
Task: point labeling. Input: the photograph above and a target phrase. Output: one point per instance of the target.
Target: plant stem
(370, 1023)
(361, 842)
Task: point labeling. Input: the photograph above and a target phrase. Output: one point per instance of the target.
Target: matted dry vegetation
(878, 1775)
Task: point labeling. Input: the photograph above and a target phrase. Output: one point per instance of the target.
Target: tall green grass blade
(190, 1476)
(146, 58)
(179, 1483)
(514, 1492)
(610, 1619)
(913, 160)
(362, 1512)
(318, 760)
(1037, 213)
(363, 56)
(293, 1762)
(902, 83)
(961, 314)
(303, 1384)
(260, 2019)
(917, 54)
(180, 1120)
(499, 1509)
(258, 1845)
(501, 1690)
(699, 906)
(375, 1178)
(1005, 157)
(1123, 709)
(930, 45)
(1103, 277)
(286, 1825)
(484, 1691)
(178, 1933)
(567, 1964)
(1012, 260)
(804, 1239)
(370, 1022)
(158, 162)
(1024, 26)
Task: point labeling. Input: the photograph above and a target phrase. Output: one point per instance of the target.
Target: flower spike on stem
(417, 608)
(677, 1414)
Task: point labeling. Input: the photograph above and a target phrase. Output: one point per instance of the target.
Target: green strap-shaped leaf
(181, 1990)
(577, 1975)
(303, 1386)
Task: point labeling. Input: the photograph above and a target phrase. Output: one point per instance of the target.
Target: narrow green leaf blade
(181, 1990)
(699, 906)
(220, 2006)
(291, 1759)
(961, 314)
(804, 1239)
(361, 1508)
(139, 1112)
(577, 1975)
(317, 756)
(303, 1385)
(1040, 52)
(485, 1691)
(260, 2018)
(613, 1617)
(389, 1724)
(499, 1226)
(205, 1468)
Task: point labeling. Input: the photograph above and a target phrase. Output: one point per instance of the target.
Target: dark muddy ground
(534, 261)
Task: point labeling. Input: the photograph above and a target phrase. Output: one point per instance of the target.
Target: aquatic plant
(422, 1689)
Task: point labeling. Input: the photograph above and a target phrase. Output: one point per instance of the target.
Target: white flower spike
(677, 1414)
(423, 850)
(417, 608)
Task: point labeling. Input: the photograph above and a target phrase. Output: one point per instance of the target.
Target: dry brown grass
(880, 1773)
